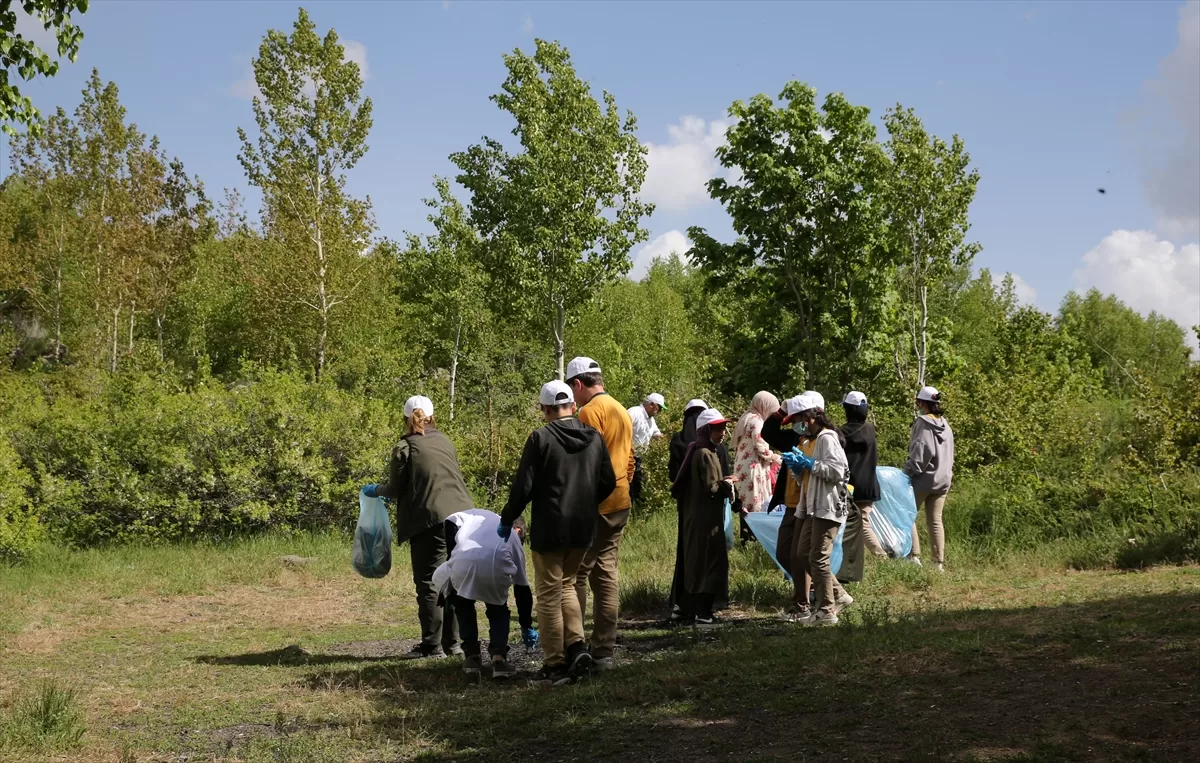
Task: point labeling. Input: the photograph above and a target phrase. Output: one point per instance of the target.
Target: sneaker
(797, 614)
(472, 665)
(941, 567)
(553, 674)
(420, 652)
(502, 668)
(822, 617)
(579, 660)
(844, 599)
(914, 560)
(708, 622)
(455, 651)
(602, 664)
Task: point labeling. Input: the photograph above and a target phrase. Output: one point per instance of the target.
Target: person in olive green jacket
(427, 486)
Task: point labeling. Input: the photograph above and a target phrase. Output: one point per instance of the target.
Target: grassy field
(207, 653)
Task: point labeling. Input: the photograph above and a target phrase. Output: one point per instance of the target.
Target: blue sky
(1053, 100)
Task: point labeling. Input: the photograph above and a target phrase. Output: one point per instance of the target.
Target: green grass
(182, 652)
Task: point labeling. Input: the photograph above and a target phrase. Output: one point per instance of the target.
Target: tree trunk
(559, 327)
(58, 299)
(116, 330)
(132, 314)
(158, 326)
(923, 350)
(322, 292)
(454, 364)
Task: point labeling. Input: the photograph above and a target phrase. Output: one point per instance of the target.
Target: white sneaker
(941, 568)
(915, 560)
(603, 664)
(821, 617)
(844, 600)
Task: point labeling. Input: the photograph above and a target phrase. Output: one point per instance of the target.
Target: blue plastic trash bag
(728, 526)
(766, 528)
(372, 538)
(895, 511)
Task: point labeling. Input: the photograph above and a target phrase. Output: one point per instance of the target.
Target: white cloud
(1147, 274)
(1023, 291)
(673, 242)
(1169, 133)
(679, 169)
(527, 24)
(246, 88)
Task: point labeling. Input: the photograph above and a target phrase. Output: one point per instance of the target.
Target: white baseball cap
(555, 393)
(415, 402)
(855, 398)
(695, 403)
(581, 365)
(816, 398)
(710, 416)
(796, 405)
(928, 394)
(657, 399)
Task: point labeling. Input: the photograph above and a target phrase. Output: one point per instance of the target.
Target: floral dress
(755, 465)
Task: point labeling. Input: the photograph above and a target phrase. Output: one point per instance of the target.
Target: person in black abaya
(678, 451)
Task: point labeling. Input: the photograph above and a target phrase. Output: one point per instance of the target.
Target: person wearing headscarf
(702, 487)
(678, 449)
(755, 464)
(863, 454)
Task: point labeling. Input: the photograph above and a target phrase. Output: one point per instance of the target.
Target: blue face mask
(799, 427)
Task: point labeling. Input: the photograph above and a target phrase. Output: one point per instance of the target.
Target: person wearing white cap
(565, 472)
(930, 466)
(789, 488)
(862, 451)
(678, 449)
(702, 487)
(824, 505)
(599, 567)
(427, 486)
(645, 431)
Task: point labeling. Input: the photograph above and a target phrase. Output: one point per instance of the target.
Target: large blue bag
(728, 526)
(895, 511)
(372, 538)
(766, 529)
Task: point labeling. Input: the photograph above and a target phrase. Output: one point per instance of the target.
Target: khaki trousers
(559, 616)
(599, 567)
(933, 517)
(814, 551)
(870, 539)
(857, 541)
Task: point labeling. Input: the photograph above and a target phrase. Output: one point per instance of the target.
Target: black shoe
(579, 659)
(708, 622)
(553, 674)
(472, 665)
(502, 668)
(420, 652)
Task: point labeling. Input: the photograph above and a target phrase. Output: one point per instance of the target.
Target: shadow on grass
(1115, 680)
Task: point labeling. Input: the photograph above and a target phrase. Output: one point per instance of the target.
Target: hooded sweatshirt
(566, 473)
(930, 462)
(863, 454)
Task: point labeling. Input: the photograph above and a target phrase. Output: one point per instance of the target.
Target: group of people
(580, 474)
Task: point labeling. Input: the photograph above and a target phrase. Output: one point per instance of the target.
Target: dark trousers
(635, 487)
(701, 605)
(679, 597)
(438, 625)
(498, 621)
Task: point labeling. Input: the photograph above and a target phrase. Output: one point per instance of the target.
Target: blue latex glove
(504, 530)
(369, 491)
(530, 637)
(797, 462)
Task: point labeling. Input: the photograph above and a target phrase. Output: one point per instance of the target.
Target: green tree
(929, 189)
(19, 53)
(560, 217)
(810, 227)
(312, 128)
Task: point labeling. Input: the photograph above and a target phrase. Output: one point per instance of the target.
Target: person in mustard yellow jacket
(599, 568)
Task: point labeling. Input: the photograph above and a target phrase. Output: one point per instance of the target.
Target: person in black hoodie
(863, 455)
(565, 472)
(678, 449)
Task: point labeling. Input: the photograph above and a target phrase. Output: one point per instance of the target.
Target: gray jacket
(829, 470)
(930, 463)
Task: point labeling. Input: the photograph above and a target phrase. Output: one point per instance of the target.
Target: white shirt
(644, 428)
(483, 566)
